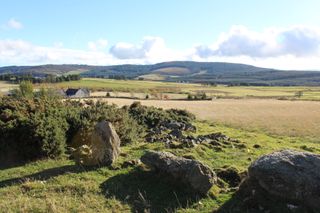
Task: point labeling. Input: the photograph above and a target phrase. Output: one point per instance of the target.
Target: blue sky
(262, 33)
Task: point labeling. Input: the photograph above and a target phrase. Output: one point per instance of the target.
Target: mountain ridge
(187, 71)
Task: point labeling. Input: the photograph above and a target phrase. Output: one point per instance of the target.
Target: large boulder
(100, 146)
(289, 175)
(193, 173)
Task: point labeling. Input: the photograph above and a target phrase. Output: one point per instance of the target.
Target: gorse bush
(42, 126)
(151, 117)
(181, 115)
(85, 115)
(34, 128)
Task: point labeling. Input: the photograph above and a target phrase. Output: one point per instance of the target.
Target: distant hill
(188, 71)
(43, 70)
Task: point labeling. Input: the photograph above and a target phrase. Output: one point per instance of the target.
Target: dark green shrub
(87, 114)
(152, 116)
(34, 128)
(181, 115)
(41, 127)
(147, 116)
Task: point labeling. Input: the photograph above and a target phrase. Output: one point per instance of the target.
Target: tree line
(47, 79)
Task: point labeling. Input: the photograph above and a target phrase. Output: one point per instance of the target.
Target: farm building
(77, 93)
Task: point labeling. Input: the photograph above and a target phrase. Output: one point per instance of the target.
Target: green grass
(124, 85)
(60, 186)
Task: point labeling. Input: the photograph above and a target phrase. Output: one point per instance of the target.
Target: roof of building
(71, 92)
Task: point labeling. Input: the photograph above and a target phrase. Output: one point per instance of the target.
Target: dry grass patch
(4, 86)
(293, 118)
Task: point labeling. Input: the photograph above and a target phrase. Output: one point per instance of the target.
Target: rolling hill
(187, 71)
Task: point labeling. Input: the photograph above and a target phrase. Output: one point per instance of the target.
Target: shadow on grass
(45, 174)
(10, 158)
(147, 191)
(9, 165)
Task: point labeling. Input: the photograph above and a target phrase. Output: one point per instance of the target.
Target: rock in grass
(289, 175)
(100, 146)
(193, 173)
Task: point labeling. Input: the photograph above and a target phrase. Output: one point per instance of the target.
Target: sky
(283, 34)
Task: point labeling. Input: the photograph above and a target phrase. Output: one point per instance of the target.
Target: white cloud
(292, 48)
(99, 44)
(19, 52)
(58, 44)
(297, 41)
(150, 50)
(14, 24)
(123, 50)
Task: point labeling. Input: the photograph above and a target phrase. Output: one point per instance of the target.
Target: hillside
(43, 70)
(200, 72)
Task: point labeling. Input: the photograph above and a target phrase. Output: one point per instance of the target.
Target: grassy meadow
(60, 186)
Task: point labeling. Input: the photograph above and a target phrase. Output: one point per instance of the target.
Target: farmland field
(241, 107)
(5, 87)
(293, 118)
(220, 91)
(248, 108)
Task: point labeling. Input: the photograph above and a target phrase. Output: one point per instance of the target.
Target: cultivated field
(145, 87)
(292, 118)
(5, 87)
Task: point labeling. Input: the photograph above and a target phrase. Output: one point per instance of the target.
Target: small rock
(172, 125)
(176, 133)
(150, 139)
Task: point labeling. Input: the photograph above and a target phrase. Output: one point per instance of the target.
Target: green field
(308, 93)
(60, 186)
(141, 88)
(125, 85)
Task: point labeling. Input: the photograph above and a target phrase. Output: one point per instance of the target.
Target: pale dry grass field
(293, 118)
(139, 95)
(5, 87)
